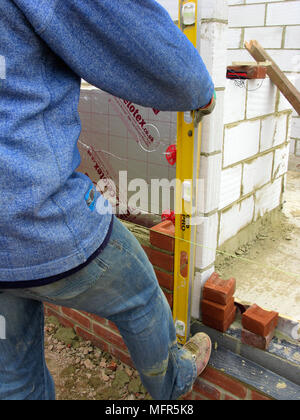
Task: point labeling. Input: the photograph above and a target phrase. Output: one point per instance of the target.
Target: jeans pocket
(71, 287)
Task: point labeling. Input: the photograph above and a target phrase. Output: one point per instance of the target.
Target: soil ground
(267, 272)
(84, 372)
(267, 269)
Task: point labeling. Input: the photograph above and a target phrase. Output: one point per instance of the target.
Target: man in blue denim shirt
(54, 246)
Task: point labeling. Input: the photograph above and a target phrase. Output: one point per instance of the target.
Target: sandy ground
(83, 372)
(267, 270)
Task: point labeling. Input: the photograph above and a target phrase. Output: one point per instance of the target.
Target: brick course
(212, 385)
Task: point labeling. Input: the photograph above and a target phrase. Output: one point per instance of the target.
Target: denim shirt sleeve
(129, 48)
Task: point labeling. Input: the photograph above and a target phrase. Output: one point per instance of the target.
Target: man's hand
(202, 112)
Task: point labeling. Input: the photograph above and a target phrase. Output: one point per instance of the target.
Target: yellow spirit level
(187, 172)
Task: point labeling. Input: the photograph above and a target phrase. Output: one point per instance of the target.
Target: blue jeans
(120, 285)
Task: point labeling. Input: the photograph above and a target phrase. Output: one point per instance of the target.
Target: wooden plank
(275, 74)
(251, 63)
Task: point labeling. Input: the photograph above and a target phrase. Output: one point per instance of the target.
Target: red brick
(77, 317)
(96, 318)
(218, 290)
(92, 338)
(109, 336)
(120, 355)
(49, 312)
(188, 397)
(162, 236)
(255, 340)
(206, 390)
(55, 307)
(113, 326)
(165, 279)
(219, 325)
(217, 311)
(63, 321)
(160, 259)
(225, 382)
(253, 72)
(169, 297)
(256, 396)
(229, 398)
(259, 321)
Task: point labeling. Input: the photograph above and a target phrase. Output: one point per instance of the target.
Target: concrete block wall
(276, 25)
(256, 146)
(213, 49)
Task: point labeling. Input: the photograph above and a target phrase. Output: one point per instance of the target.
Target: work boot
(200, 347)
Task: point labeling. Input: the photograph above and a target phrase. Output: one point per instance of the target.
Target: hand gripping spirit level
(187, 172)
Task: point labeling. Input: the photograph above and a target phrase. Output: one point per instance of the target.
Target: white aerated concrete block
(171, 6)
(273, 131)
(268, 37)
(283, 13)
(297, 149)
(257, 173)
(213, 49)
(247, 15)
(234, 38)
(209, 183)
(199, 282)
(295, 130)
(214, 9)
(261, 98)
(235, 219)
(268, 198)
(281, 161)
(283, 102)
(206, 240)
(241, 142)
(231, 180)
(292, 147)
(292, 36)
(212, 127)
(235, 102)
(287, 60)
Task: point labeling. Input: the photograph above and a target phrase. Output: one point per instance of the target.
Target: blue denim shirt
(129, 48)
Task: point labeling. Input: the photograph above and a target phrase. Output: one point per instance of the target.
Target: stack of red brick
(161, 254)
(218, 308)
(259, 327)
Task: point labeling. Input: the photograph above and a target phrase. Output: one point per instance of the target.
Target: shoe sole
(207, 357)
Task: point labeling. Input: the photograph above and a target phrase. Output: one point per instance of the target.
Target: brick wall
(276, 25)
(212, 385)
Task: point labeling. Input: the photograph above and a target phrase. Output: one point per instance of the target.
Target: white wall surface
(276, 25)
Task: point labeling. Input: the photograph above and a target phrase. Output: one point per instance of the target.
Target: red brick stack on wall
(259, 327)
(218, 308)
(161, 254)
